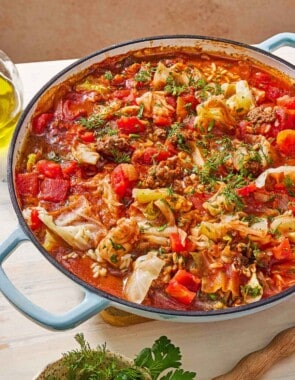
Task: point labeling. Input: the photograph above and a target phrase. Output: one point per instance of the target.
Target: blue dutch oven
(96, 300)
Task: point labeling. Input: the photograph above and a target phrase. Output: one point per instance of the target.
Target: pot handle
(90, 305)
(277, 41)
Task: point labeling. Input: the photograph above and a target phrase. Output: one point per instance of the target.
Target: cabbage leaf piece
(146, 269)
(80, 236)
(242, 99)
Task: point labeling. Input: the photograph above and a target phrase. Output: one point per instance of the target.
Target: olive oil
(9, 110)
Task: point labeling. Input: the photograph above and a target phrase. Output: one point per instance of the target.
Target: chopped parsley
(117, 246)
(108, 75)
(120, 157)
(93, 122)
(290, 185)
(181, 141)
(172, 87)
(252, 292)
(142, 76)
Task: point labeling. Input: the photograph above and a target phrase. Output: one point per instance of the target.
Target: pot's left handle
(277, 41)
(90, 305)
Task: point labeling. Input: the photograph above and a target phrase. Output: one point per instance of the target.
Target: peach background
(36, 30)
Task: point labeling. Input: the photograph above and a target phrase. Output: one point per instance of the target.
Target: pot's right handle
(277, 41)
(90, 305)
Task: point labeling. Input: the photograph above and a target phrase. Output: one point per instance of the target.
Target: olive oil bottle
(9, 110)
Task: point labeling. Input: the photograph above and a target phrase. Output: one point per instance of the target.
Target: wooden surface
(210, 349)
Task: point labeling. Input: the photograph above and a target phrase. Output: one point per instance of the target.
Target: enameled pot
(96, 300)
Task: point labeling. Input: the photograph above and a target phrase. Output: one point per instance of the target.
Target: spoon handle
(255, 364)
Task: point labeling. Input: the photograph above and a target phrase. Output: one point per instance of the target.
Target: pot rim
(231, 311)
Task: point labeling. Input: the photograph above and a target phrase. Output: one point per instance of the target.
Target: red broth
(167, 179)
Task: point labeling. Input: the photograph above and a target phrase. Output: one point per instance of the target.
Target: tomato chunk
(286, 141)
(54, 190)
(69, 168)
(180, 292)
(87, 137)
(71, 109)
(247, 190)
(283, 251)
(153, 155)
(187, 279)
(176, 243)
(35, 222)
(49, 169)
(130, 125)
(287, 101)
(27, 184)
(123, 177)
(40, 122)
(162, 121)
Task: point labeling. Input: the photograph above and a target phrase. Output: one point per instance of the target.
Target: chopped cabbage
(260, 181)
(242, 101)
(214, 109)
(146, 269)
(118, 242)
(85, 154)
(252, 291)
(81, 236)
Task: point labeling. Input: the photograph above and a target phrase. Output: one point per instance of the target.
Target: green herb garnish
(162, 362)
(117, 246)
(119, 157)
(172, 87)
(161, 357)
(142, 76)
(108, 75)
(93, 122)
(252, 292)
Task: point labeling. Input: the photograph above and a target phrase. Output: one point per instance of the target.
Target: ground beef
(108, 145)
(262, 114)
(162, 174)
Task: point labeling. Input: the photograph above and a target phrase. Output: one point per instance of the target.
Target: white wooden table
(25, 348)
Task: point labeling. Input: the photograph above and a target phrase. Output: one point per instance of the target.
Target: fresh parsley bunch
(162, 362)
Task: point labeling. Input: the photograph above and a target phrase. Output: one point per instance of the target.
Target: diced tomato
(261, 77)
(171, 100)
(189, 98)
(247, 190)
(286, 141)
(69, 168)
(73, 109)
(130, 125)
(162, 121)
(40, 122)
(121, 94)
(198, 200)
(27, 184)
(180, 292)
(267, 83)
(272, 93)
(54, 189)
(87, 137)
(176, 244)
(286, 118)
(287, 102)
(35, 222)
(123, 178)
(187, 279)
(153, 155)
(283, 251)
(49, 169)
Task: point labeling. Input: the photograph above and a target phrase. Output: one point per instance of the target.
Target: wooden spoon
(255, 364)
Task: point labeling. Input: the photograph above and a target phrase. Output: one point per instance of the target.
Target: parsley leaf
(162, 356)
